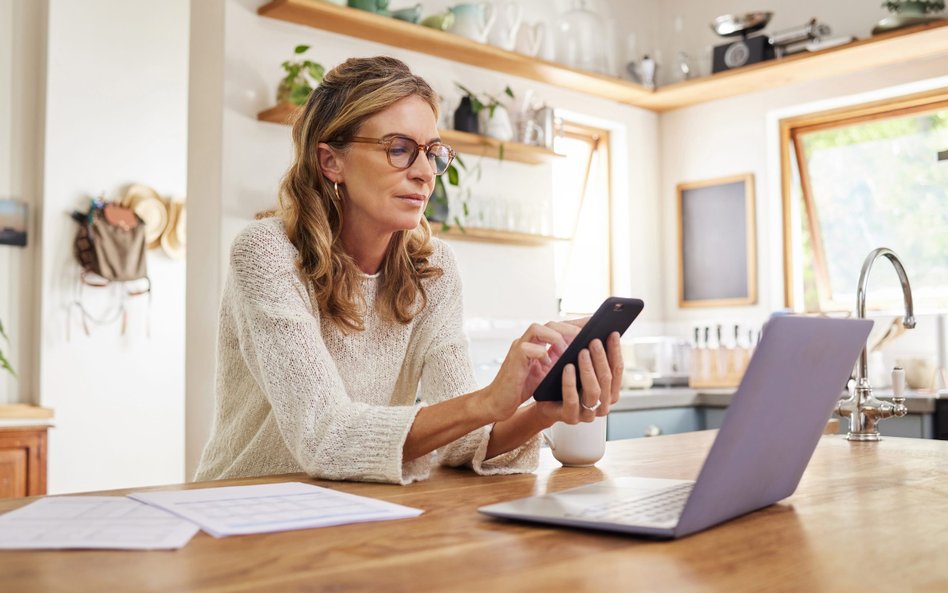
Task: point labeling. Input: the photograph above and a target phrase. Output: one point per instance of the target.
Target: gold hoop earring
(335, 187)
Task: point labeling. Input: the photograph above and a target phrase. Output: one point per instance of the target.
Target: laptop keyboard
(660, 507)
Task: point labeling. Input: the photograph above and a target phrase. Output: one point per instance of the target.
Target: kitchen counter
(865, 515)
(683, 397)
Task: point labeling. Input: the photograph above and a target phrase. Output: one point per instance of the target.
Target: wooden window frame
(792, 128)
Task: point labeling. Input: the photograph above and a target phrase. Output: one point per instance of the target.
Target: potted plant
(914, 7)
(484, 109)
(907, 13)
(3, 359)
(301, 76)
(438, 209)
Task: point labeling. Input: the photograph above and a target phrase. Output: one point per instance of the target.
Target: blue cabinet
(633, 424)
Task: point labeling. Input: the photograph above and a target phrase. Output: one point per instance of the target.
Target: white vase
(497, 126)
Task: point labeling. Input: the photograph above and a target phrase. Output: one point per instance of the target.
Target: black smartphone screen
(614, 315)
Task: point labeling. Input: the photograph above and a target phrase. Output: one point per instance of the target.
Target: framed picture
(13, 223)
(717, 251)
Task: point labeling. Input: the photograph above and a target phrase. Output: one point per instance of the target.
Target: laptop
(770, 430)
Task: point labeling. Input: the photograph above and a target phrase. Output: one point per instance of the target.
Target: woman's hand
(599, 374)
(527, 362)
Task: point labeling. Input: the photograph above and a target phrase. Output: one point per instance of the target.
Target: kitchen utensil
(504, 32)
(530, 39)
(473, 20)
(729, 25)
(441, 21)
(412, 14)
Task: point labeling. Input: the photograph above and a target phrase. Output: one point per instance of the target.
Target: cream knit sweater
(296, 394)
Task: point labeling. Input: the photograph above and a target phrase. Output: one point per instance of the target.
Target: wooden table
(866, 517)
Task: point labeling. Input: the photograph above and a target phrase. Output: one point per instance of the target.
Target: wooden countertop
(867, 516)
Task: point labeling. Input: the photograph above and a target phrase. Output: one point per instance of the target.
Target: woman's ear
(329, 162)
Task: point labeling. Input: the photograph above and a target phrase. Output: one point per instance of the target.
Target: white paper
(93, 522)
(261, 508)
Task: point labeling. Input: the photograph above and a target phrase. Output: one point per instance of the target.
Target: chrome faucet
(863, 409)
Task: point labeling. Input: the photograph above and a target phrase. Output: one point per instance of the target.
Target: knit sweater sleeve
(447, 373)
(330, 435)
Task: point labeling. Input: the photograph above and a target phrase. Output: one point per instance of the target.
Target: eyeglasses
(402, 152)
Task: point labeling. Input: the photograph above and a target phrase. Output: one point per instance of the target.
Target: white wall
(116, 114)
(22, 64)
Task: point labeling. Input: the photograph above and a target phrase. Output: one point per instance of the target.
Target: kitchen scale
(748, 49)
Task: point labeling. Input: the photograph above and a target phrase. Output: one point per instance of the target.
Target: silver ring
(585, 407)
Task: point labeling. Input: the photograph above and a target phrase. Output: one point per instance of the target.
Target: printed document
(260, 508)
(92, 522)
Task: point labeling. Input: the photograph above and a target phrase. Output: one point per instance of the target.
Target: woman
(341, 351)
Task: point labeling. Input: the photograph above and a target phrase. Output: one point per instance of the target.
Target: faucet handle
(898, 385)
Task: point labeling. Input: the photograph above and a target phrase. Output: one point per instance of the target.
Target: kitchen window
(869, 176)
(581, 214)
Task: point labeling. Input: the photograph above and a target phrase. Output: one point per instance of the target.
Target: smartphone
(615, 314)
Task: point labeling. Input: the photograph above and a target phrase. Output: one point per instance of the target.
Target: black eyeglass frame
(387, 143)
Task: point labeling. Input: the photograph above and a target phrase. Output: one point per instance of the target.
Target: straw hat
(149, 206)
(173, 240)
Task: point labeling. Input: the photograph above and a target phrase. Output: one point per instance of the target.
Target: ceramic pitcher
(504, 32)
(473, 20)
(530, 39)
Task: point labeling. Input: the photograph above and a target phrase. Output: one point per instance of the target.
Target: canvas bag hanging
(110, 243)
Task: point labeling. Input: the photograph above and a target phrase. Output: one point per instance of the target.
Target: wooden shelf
(904, 45)
(24, 412)
(463, 142)
(491, 235)
(912, 43)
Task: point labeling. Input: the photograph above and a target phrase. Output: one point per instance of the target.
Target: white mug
(529, 39)
(578, 445)
(473, 20)
(504, 32)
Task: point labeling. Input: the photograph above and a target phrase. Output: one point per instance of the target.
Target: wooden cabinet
(22, 461)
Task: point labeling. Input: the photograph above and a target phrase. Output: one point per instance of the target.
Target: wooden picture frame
(717, 249)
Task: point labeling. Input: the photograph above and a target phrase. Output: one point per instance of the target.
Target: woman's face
(379, 198)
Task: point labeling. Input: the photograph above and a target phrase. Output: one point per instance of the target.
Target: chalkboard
(717, 250)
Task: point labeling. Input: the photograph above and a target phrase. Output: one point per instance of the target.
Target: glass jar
(578, 39)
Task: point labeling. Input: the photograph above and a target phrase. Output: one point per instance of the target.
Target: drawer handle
(652, 430)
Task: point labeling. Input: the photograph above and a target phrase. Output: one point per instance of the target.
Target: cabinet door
(13, 471)
(642, 423)
(22, 461)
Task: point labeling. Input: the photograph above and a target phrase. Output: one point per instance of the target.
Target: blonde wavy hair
(348, 95)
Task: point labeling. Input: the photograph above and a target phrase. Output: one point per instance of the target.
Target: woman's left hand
(599, 374)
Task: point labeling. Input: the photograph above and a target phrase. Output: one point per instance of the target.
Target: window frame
(792, 128)
(600, 152)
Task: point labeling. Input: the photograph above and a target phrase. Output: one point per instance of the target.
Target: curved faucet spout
(908, 321)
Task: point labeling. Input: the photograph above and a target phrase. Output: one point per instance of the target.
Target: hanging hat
(149, 206)
(173, 240)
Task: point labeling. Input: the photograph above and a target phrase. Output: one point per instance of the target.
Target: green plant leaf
(460, 161)
(500, 152)
(508, 92)
(300, 49)
(6, 364)
(2, 332)
(300, 93)
(316, 71)
(490, 112)
(453, 176)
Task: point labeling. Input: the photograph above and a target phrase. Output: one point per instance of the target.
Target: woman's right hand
(527, 362)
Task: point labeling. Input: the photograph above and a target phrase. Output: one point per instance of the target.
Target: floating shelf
(491, 235)
(24, 411)
(912, 43)
(463, 142)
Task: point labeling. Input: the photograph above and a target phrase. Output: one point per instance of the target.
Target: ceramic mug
(473, 20)
(504, 32)
(412, 14)
(529, 39)
(578, 445)
(442, 21)
(376, 6)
